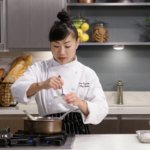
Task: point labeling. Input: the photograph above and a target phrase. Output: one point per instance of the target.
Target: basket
(6, 98)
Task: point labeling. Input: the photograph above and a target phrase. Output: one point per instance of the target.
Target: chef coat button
(76, 72)
(73, 89)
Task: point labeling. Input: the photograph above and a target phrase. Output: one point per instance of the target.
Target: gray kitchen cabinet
(28, 22)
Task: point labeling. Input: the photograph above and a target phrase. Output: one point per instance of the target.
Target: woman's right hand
(53, 82)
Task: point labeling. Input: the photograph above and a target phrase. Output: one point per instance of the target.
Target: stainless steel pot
(44, 125)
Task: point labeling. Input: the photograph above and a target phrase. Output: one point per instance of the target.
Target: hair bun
(63, 16)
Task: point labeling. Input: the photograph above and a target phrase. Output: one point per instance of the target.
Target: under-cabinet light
(118, 47)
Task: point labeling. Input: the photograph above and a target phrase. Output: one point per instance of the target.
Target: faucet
(120, 92)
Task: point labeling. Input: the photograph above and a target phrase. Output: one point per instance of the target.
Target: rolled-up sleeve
(20, 86)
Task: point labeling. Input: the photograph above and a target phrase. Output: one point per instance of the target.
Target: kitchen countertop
(100, 142)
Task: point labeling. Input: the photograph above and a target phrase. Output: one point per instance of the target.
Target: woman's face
(64, 51)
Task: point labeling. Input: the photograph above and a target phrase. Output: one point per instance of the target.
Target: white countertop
(101, 142)
(18, 110)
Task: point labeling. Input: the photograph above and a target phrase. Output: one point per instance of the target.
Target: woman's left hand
(72, 98)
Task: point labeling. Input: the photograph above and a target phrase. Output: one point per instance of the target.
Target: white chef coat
(77, 78)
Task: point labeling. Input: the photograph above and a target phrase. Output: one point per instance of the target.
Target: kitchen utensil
(44, 125)
(62, 93)
(30, 116)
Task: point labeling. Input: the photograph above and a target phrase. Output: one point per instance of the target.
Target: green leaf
(147, 20)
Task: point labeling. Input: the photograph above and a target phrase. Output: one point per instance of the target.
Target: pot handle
(29, 115)
(65, 114)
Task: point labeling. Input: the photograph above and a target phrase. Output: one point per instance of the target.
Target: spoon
(30, 116)
(62, 93)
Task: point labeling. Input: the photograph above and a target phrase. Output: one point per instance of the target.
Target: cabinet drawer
(129, 124)
(109, 125)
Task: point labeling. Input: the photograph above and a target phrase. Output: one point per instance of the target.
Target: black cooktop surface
(21, 138)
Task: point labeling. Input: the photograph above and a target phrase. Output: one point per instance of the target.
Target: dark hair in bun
(61, 29)
(63, 16)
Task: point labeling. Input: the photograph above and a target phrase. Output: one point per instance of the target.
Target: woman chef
(45, 81)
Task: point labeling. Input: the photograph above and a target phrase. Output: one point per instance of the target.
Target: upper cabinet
(29, 21)
(2, 24)
(125, 21)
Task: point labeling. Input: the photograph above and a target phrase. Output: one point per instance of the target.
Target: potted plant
(147, 27)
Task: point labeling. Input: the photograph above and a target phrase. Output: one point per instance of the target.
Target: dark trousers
(72, 123)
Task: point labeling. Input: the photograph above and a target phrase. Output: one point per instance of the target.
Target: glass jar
(100, 33)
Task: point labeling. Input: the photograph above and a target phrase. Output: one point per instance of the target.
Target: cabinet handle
(136, 118)
(111, 118)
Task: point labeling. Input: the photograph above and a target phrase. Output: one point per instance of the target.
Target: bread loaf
(27, 59)
(17, 68)
(2, 70)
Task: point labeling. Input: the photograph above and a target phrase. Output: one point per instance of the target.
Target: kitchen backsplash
(130, 98)
(7, 57)
(131, 65)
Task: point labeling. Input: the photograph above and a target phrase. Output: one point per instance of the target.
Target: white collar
(57, 64)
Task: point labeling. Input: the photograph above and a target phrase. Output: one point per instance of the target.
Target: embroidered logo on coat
(84, 84)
